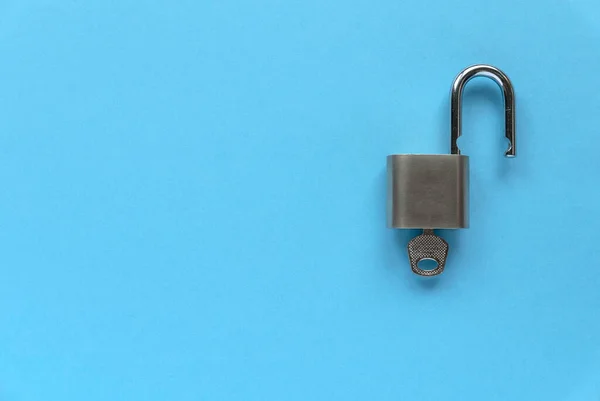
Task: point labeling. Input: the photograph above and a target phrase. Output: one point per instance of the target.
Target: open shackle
(456, 104)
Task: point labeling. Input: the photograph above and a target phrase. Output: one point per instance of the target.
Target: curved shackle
(456, 104)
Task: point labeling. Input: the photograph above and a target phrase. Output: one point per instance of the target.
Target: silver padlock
(432, 191)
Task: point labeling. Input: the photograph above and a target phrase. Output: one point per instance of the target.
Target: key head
(427, 246)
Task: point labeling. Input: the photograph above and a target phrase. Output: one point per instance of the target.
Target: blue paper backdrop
(193, 197)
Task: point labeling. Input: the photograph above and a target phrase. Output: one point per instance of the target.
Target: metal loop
(456, 104)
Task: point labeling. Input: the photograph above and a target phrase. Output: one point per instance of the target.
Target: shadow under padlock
(431, 192)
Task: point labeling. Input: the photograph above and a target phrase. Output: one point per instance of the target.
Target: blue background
(193, 203)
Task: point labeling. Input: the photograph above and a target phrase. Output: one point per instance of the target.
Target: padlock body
(428, 191)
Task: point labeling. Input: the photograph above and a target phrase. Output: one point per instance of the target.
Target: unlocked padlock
(432, 191)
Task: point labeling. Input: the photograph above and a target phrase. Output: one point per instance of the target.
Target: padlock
(432, 191)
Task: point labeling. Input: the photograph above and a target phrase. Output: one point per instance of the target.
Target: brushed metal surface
(428, 191)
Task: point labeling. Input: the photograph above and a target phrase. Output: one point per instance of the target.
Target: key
(427, 246)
